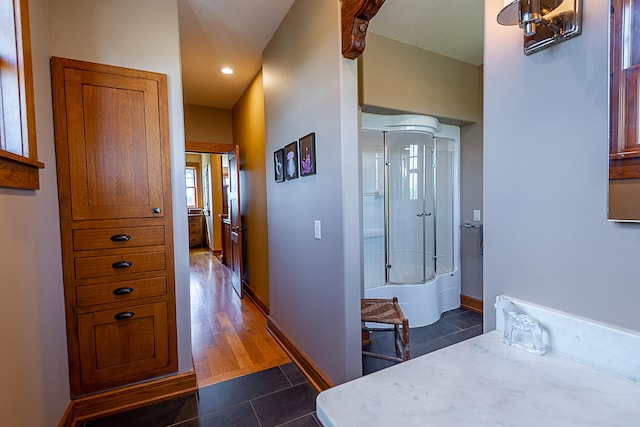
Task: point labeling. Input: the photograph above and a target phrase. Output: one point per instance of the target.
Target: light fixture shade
(510, 14)
(545, 22)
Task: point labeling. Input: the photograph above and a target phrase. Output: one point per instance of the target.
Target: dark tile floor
(454, 326)
(279, 396)
(282, 396)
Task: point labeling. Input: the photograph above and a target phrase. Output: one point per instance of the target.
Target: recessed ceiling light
(226, 70)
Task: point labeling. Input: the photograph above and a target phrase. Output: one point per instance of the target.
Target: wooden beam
(207, 147)
(356, 15)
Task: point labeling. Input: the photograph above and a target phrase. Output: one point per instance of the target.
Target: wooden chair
(387, 311)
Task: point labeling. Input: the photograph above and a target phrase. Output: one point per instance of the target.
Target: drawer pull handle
(121, 237)
(122, 291)
(122, 264)
(124, 315)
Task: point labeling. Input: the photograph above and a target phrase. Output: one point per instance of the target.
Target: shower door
(410, 210)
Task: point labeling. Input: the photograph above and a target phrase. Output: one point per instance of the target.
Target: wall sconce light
(545, 22)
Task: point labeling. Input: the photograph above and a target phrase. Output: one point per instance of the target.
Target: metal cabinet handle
(122, 291)
(124, 315)
(121, 237)
(122, 264)
(156, 210)
(424, 214)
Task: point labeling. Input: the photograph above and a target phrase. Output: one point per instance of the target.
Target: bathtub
(422, 303)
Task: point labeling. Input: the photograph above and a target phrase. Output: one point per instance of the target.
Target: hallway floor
(228, 334)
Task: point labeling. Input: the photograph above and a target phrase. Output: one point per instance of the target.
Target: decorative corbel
(356, 15)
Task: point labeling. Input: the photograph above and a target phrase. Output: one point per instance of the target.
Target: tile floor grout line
(255, 413)
(285, 375)
(295, 419)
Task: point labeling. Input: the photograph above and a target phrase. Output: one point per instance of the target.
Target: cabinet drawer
(116, 265)
(122, 346)
(129, 290)
(124, 237)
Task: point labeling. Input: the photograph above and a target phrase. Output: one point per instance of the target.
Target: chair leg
(405, 336)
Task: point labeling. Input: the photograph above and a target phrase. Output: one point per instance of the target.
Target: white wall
(547, 239)
(34, 390)
(315, 284)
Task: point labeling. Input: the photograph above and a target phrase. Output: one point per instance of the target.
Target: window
(19, 167)
(413, 172)
(192, 186)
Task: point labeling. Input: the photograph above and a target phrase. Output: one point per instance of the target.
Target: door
(410, 208)
(235, 219)
(103, 146)
(206, 195)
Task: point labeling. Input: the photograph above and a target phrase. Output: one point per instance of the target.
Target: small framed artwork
(278, 164)
(308, 155)
(291, 160)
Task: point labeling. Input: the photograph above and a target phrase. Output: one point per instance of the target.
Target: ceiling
(217, 33)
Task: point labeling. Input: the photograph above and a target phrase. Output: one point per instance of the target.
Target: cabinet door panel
(115, 164)
(121, 351)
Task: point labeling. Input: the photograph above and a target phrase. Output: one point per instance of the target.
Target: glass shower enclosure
(408, 204)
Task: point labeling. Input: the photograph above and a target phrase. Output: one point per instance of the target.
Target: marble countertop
(483, 382)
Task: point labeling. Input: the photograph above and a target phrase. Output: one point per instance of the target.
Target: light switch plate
(317, 227)
(476, 214)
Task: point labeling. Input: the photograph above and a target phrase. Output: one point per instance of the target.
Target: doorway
(229, 336)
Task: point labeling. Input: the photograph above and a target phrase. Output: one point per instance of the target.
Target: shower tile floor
(454, 326)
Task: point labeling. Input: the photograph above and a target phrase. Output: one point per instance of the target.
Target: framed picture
(291, 160)
(278, 164)
(308, 155)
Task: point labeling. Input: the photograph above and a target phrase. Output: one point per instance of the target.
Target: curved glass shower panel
(373, 207)
(410, 209)
(445, 175)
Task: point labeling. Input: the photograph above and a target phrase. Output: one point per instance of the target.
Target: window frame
(194, 167)
(17, 169)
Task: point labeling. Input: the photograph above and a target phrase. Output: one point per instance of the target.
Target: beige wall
(471, 154)
(249, 134)
(314, 284)
(34, 386)
(207, 124)
(400, 77)
(547, 237)
(624, 203)
(33, 366)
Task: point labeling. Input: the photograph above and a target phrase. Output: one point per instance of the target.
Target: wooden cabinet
(195, 231)
(112, 153)
(121, 345)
